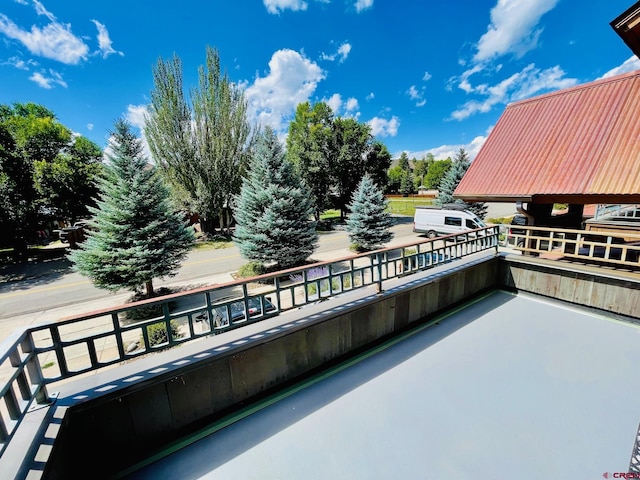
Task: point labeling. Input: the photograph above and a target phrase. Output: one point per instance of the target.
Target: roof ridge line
(583, 86)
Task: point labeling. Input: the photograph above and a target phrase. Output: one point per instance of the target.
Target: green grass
(499, 220)
(407, 206)
(213, 245)
(330, 215)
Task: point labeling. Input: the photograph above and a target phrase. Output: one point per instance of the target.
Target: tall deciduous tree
(351, 145)
(377, 163)
(451, 180)
(68, 184)
(369, 221)
(137, 235)
(394, 179)
(436, 171)
(332, 154)
(32, 143)
(202, 146)
(274, 209)
(17, 194)
(310, 149)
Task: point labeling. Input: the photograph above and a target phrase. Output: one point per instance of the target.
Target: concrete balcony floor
(511, 386)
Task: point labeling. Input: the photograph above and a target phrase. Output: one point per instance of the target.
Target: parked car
(445, 220)
(74, 234)
(255, 306)
(516, 221)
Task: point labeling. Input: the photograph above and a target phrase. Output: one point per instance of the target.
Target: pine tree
(136, 235)
(406, 184)
(369, 222)
(274, 210)
(451, 180)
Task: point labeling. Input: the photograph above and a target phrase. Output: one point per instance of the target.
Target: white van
(445, 220)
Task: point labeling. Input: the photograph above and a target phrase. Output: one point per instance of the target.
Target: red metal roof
(579, 145)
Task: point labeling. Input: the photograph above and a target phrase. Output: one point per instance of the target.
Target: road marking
(208, 260)
(43, 289)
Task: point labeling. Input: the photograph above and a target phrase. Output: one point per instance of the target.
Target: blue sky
(428, 76)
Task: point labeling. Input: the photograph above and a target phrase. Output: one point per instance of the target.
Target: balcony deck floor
(508, 387)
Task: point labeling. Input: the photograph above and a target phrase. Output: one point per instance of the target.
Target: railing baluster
(33, 369)
(23, 383)
(11, 403)
(57, 346)
(117, 331)
(93, 355)
(4, 433)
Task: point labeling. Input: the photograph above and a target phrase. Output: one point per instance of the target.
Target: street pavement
(34, 274)
(47, 291)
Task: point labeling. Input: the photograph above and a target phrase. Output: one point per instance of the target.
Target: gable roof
(578, 145)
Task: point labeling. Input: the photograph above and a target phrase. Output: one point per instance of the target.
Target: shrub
(149, 311)
(251, 269)
(157, 333)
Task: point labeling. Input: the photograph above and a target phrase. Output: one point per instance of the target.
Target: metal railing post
(379, 270)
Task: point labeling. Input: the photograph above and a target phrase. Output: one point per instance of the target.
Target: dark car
(255, 306)
(516, 221)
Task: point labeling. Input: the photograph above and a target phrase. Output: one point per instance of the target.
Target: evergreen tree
(403, 161)
(136, 235)
(369, 222)
(274, 209)
(406, 183)
(451, 180)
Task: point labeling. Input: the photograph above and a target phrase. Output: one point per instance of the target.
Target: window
(455, 221)
(471, 224)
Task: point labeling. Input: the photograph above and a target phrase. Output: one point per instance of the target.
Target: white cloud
(413, 92)
(54, 41)
(449, 151)
(351, 105)
(277, 6)
(513, 28)
(362, 5)
(341, 54)
(384, 128)
(370, 97)
(136, 115)
(48, 79)
(417, 95)
(526, 83)
(89, 126)
(629, 65)
(463, 80)
(18, 63)
(344, 51)
(426, 77)
(291, 80)
(41, 10)
(340, 107)
(334, 102)
(104, 41)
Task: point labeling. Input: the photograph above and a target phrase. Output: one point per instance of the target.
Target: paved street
(50, 290)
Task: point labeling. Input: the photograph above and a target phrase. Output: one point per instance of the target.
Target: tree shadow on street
(40, 267)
